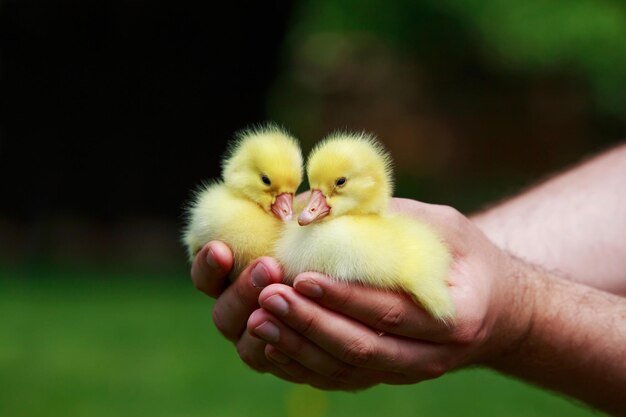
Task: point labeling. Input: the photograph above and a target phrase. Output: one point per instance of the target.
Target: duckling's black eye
(266, 179)
(340, 182)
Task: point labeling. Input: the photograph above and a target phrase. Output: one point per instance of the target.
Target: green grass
(110, 344)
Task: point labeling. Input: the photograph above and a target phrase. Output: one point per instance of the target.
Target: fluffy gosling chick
(349, 235)
(248, 207)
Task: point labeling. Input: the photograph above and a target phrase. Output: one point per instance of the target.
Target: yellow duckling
(349, 234)
(248, 208)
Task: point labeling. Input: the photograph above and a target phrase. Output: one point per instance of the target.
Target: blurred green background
(110, 113)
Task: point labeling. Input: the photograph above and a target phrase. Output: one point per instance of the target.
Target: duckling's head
(349, 173)
(265, 166)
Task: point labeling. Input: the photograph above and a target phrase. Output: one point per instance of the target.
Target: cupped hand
(347, 336)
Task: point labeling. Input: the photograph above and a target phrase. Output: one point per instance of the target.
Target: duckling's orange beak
(316, 209)
(282, 207)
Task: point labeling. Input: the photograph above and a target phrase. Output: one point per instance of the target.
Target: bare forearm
(576, 341)
(575, 223)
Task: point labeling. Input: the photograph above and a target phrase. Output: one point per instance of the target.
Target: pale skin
(561, 325)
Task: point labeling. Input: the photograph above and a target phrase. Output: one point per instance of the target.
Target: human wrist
(517, 291)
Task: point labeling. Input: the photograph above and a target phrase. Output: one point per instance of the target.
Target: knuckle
(436, 369)
(450, 213)
(469, 331)
(454, 218)
(392, 318)
(307, 324)
(358, 352)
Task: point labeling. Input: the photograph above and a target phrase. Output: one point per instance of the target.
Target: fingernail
(210, 260)
(260, 276)
(309, 288)
(278, 356)
(277, 305)
(268, 331)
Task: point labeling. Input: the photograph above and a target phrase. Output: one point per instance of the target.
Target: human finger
(302, 358)
(210, 268)
(262, 357)
(233, 307)
(298, 371)
(382, 310)
(352, 341)
(301, 373)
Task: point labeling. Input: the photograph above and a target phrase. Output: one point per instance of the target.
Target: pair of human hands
(333, 335)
